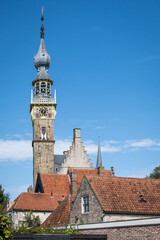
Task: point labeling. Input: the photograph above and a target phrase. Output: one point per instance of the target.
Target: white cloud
(17, 136)
(106, 146)
(20, 150)
(28, 134)
(146, 143)
(15, 150)
(109, 148)
(62, 145)
(99, 127)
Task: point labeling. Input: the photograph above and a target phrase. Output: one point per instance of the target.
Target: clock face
(43, 111)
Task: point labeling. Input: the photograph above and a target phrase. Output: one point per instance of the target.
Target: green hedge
(48, 230)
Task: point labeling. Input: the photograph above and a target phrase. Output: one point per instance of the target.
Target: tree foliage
(31, 220)
(4, 199)
(155, 174)
(5, 227)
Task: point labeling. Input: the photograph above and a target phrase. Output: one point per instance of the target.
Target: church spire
(99, 159)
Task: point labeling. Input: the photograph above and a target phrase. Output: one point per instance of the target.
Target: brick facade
(128, 233)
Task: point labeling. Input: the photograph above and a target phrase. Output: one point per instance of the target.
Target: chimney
(100, 171)
(112, 171)
(30, 189)
(77, 135)
(73, 183)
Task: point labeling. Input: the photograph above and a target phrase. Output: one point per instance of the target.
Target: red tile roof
(81, 172)
(60, 216)
(122, 194)
(36, 202)
(57, 184)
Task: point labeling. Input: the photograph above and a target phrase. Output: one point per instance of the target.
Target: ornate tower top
(43, 111)
(42, 28)
(99, 159)
(42, 60)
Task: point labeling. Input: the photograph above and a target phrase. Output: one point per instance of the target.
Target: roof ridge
(53, 174)
(149, 179)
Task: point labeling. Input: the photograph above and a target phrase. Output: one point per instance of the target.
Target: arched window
(48, 88)
(37, 88)
(43, 87)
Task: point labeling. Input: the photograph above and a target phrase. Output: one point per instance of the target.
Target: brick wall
(128, 233)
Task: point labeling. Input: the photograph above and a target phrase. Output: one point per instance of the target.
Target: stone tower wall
(43, 150)
(37, 129)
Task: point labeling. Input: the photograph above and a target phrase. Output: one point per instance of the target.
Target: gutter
(120, 224)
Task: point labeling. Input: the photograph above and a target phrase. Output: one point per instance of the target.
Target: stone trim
(44, 141)
(120, 224)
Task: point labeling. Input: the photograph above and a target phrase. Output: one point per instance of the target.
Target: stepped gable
(60, 216)
(76, 157)
(127, 195)
(81, 172)
(35, 202)
(55, 184)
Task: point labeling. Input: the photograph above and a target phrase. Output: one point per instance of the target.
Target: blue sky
(106, 70)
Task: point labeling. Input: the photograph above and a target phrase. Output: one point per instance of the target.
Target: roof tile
(60, 216)
(55, 184)
(122, 194)
(36, 202)
(81, 172)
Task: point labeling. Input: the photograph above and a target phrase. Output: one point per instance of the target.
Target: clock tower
(43, 111)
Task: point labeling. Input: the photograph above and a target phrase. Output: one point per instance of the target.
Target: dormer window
(43, 133)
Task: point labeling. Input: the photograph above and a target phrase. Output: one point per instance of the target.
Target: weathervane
(42, 19)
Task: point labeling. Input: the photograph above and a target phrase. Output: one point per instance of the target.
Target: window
(43, 133)
(43, 87)
(37, 88)
(48, 88)
(85, 204)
